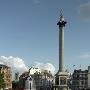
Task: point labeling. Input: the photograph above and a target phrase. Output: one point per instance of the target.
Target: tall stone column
(61, 76)
(61, 24)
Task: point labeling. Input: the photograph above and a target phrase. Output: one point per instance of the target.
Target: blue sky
(28, 30)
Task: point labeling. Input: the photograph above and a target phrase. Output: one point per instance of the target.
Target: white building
(30, 83)
(36, 80)
(34, 70)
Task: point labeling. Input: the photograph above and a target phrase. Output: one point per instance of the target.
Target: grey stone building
(80, 79)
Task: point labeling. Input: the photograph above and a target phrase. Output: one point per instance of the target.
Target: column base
(61, 81)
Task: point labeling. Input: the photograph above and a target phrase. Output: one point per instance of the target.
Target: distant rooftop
(80, 70)
(2, 65)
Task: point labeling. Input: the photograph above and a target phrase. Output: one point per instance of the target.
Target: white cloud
(84, 11)
(85, 56)
(17, 64)
(45, 66)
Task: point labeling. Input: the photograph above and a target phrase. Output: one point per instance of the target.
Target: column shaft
(61, 48)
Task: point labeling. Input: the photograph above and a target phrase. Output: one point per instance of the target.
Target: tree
(15, 84)
(2, 82)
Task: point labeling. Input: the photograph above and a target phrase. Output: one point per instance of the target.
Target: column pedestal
(61, 81)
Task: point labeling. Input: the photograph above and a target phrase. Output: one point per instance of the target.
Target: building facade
(80, 79)
(6, 71)
(44, 80)
(37, 81)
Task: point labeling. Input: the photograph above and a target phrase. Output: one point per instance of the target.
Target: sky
(29, 31)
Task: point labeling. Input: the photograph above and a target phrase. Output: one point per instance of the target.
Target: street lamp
(30, 82)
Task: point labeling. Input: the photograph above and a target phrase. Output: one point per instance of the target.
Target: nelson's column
(61, 76)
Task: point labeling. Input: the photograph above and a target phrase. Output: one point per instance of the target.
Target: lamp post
(30, 82)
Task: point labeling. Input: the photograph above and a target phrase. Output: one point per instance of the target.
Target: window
(57, 81)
